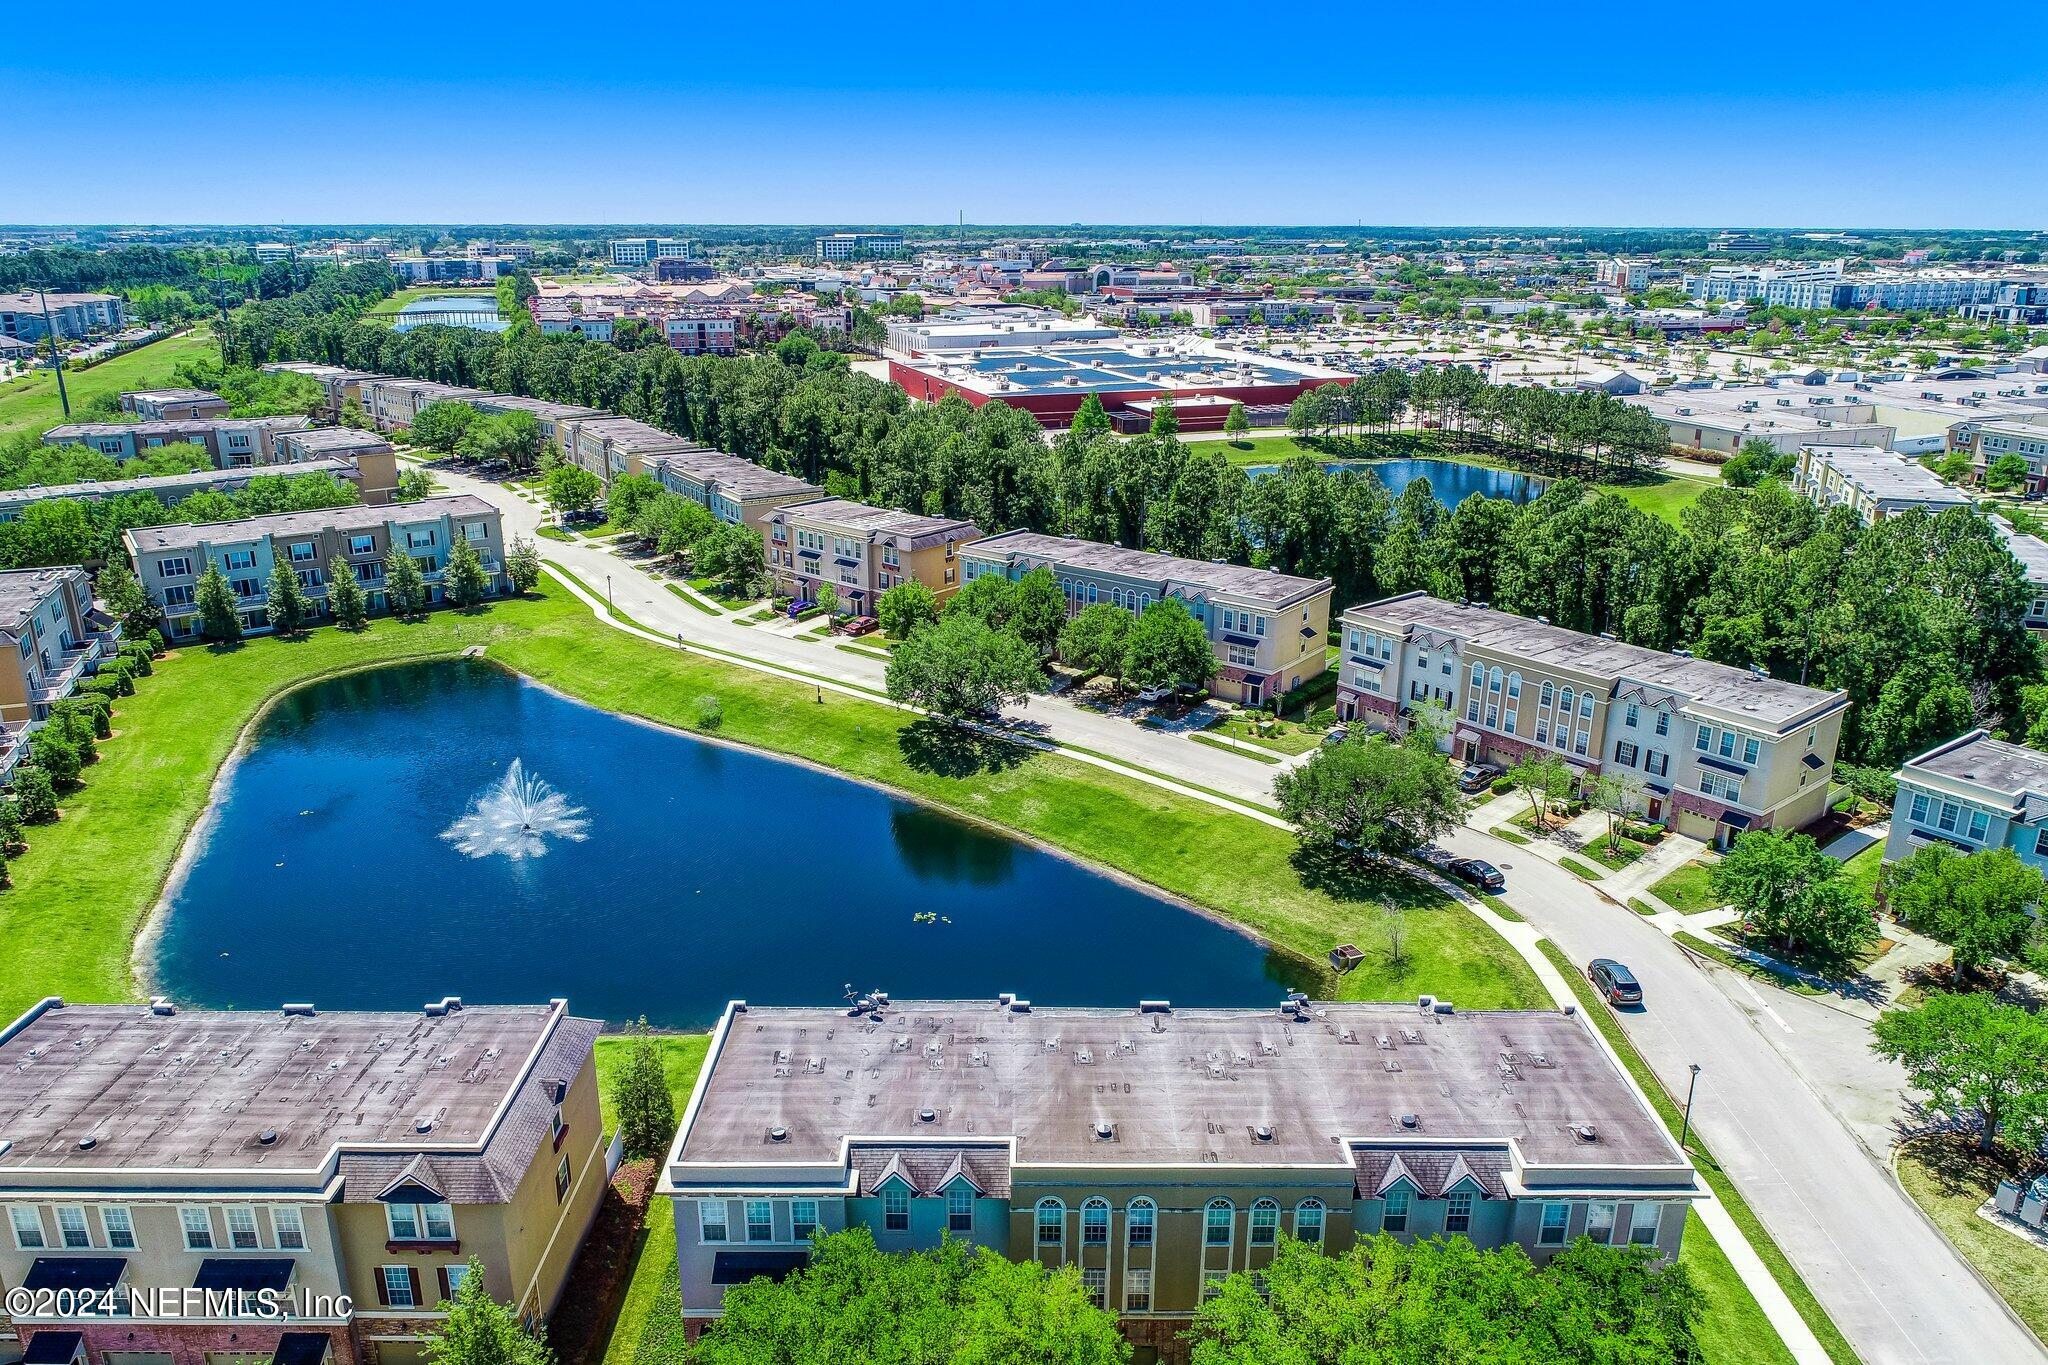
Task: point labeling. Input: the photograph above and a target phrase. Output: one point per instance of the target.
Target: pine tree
(345, 596)
(647, 1112)
(405, 587)
(467, 582)
(218, 619)
(287, 606)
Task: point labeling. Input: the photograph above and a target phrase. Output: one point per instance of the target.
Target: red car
(859, 625)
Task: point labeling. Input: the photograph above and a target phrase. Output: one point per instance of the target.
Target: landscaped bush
(35, 795)
(98, 712)
(107, 687)
(155, 641)
(118, 670)
(1502, 786)
(11, 842)
(137, 657)
(710, 712)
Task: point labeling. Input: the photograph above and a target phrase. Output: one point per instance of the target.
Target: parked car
(1336, 734)
(859, 625)
(1480, 873)
(1614, 981)
(1478, 777)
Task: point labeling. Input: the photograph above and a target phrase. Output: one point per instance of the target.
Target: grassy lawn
(1688, 890)
(709, 588)
(1511, 835)
(1282, 737)
(1732, 1327)
(1862, 870)
(1216, 743)
(701, 605)
(1948, 1179)
(86, 883)
(1664, 495)
(1596, 849)
(1586, 870)
(31, 401)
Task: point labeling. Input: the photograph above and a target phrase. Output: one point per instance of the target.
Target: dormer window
(420, 1222)
(896, 1207)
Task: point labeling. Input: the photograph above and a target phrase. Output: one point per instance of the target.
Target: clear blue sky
(1598, 114)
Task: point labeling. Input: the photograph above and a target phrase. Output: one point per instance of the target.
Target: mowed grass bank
(85, 886)
(30, 402)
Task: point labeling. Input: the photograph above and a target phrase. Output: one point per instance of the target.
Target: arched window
(1138, 1222)
(1095, 1223)
(1265, 1222)
(1217, 1223)
(1564, 701)
(1493, 681)
(1514, 684)
(1478, 676)
(1052, 1223)
(1144, 600)
(1544, 699)
(1308, 1221)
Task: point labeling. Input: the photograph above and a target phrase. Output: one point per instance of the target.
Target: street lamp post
(1685, 1127)
(56, 361)
(608, 590)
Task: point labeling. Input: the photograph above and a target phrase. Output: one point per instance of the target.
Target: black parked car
(1614, 981)
(1480, 873)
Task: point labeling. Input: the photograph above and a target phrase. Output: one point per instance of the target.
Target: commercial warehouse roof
(1761, 701)
(1188, 1086)
(1163, 571)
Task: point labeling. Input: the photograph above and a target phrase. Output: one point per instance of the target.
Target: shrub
(123, 677)
(11, 842)
(156, 642)
(137, 657)
(710, 713)
(98, 712)
(108, 688)
(54, 753)
(1502, 786)
(35, 795)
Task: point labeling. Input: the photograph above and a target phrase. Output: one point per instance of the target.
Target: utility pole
(56, 361)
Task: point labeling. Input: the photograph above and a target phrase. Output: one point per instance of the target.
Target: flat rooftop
(865, 519)
(188, 535)
(1977, 758)
(731, 474)
(175, 395)
(23, 590)
(1231, 580)
(1887, 476)
(197, 480)
(2030, 551)
(338, 438)
(1161, 368)
(195, 1089)
(1189, 1086)
(632, 434)
(1768, 702)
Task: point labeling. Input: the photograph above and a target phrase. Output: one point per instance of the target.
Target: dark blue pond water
(1450, 480)
(706, 874)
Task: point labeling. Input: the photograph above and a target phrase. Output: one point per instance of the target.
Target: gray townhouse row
(52, 637)
(169, 560)
(235, 443)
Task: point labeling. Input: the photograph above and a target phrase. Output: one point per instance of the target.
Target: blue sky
(1593, 114)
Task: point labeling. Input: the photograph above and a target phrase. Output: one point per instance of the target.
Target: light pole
(608, 590)
(56, 361)
(1685, 1128)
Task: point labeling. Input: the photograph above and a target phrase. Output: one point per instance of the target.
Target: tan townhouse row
(861, 552)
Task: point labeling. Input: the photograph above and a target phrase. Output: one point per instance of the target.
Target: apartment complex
(170, 405)
(1972, 793)
(231, 442)
(374, 464)
(171, 1165)
(734, 490)
(32, 316)
(169, 489)
(50, 638)
(862, 551)
(2021, 437)
(169, 560)
(1266, 629)
(611, 446)
(1871, 482)
(1157, 1150)
(1719, 750)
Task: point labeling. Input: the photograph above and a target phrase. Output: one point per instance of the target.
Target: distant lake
(479, 312)
(704, 874)
(1451, 480)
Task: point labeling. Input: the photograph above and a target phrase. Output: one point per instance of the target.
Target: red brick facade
(191, 1343)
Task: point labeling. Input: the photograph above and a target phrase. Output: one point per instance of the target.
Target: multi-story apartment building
(509, 251)
(1267, 629)
(50, 637)
(1972, 793)
(171, 405)
(638, 251)
(171, 1165)
(862, 551)
(32, 316)
(611, 446)
(231, 442)
(390, 403)
(700, 332)
(169, 560)
(1629, 276)
(370, 456)
(734, 490)
(2016, 436)
(2032, 553)
(857, 246)
(1158, 1150)
(1872, 482)
(170, 489)
(1719, 750)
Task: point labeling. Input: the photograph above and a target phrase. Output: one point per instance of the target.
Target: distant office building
(2012, 305)
(638, 251)
(1271, 312)
(71, 316)
(510, 251)
(943, 335)
(444, 269)
(859, 246)
(1800, 286)
(267, 252)
(1739, 242)
(683, 270)
(1631, 277)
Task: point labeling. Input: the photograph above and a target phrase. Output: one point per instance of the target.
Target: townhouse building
(1972, 793)
(1158, 1150)
(611, 446)
(369, 457)
(389, 404)
(51, 637)
(1266, 629)
(171, 1165)
(337, 382)
(169, 560)
(1719, 749)
(230, 442)
(169, 489)
(2032, 554)
(862, 551)
(734, 490)
(170, 405)
(2026, 438)
(1873, 483)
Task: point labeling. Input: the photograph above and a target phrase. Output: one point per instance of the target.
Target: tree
(1976, 1059)
(1544, 778)
(1370, 796)
(1038, 609)
(35, 794)
(1167, 647)
(827, 599)
(514, 437)
(1446, 1299)
(1165, 421)
(287, 606)
(959, 667)
(522, 565)
(440, 426)
(414, 484)
(405, 587)
(481, 1331)
(989, 599)
(466, 581)
(629, 493)
(647, 1112)
(1977, 903)
(1617, 795)
(2007, 471)
(54, 752)
(957, 1303)
(571, 490)
(126, 599)
(1235, 423)
(1792, 894)
(905, 607)
(219, 621)
(345, 595)
(733, 555)
(1094, 641)
(1090, 417)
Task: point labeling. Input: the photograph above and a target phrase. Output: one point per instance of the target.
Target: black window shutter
(441, 1274)
(383, 1289)
(413, 1273)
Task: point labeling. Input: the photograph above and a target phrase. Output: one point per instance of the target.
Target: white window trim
(14, 1212)
(84, 1225)
(724, 1237)
(185, 1228)
(128, 1215)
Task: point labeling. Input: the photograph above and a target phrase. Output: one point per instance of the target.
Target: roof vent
(303, 1010)
(1262, 1133)
(161, 1005)
(927, 1116)
(1585, 1132)
(1410, 1122)
(1105, 1131)
(267, 1138)
(447, 1004)
(778, 1134)
(423, 1124)
(1155, 1007)
(87, 1143)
